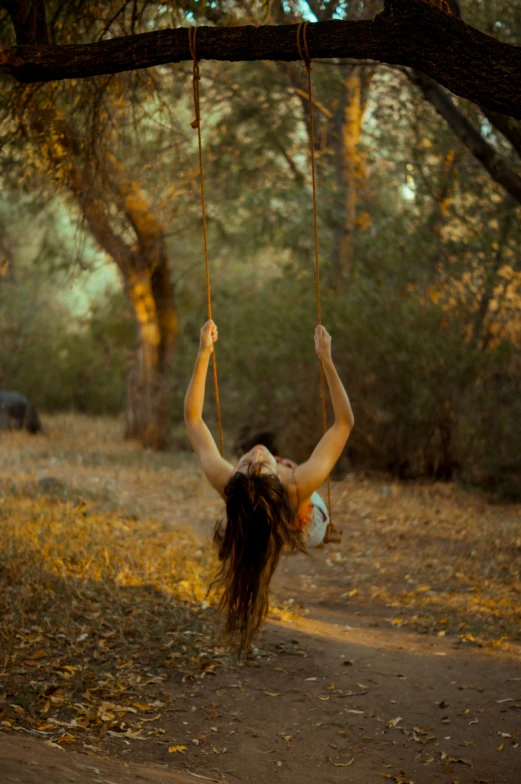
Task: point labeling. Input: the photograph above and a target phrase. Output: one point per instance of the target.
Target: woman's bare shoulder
(286, 474)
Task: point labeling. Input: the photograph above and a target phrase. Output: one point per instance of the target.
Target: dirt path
(402, 661)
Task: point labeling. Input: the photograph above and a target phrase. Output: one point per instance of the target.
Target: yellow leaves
(343, 764)
(364, 220)
(177, 749)
(41, 654)
(66, 739)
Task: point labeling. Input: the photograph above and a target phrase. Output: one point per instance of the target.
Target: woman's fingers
(209, 334)
(322, 341)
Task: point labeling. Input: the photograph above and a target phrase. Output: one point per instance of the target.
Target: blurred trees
(419, 245)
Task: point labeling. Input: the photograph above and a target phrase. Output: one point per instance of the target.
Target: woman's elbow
(347, 424)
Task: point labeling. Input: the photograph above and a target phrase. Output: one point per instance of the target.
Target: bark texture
(409, 32)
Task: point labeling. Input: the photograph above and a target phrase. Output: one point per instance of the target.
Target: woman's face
(259, 454)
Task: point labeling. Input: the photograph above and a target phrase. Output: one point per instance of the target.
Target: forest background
(419, 192)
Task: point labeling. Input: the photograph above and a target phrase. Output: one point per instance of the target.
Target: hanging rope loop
(302, 46)
(196, 124)
(196, 76)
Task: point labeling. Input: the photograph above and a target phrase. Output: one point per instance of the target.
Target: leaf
(501, 747)
(342, 764)
(176, 749)
(67, 739)
(393, 722)
(463, 761)
(272, 693)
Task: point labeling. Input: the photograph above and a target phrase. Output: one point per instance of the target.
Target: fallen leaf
(175, 749)
(342, 764)
(272, 693)
(67, 739)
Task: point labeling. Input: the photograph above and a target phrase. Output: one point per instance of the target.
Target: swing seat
(333, 535)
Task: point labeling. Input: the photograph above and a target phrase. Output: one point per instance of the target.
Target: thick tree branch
(484, 152)
(410, 33)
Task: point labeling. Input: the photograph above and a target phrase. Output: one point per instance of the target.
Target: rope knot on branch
(302, 45)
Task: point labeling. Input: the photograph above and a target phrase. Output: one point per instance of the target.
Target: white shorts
(316, 529)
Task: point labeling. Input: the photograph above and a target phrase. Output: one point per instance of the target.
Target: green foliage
(432, 393)
(60, 363)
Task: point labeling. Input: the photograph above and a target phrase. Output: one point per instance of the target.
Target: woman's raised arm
(216, 469)
(310, 475)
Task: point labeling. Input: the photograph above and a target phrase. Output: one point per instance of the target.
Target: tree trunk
(347, 171)
(147, 386)
(143, 266)
(149, 288)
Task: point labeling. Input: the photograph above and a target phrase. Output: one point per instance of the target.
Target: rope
(192, 33)
(302, 46)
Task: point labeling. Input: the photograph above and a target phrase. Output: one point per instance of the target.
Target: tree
(421, 34)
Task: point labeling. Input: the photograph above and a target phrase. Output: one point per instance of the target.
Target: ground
(394, 655)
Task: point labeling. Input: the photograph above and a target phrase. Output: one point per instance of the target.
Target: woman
(271, 504)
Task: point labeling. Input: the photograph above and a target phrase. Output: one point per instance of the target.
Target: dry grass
(442, 559)
(104, 569)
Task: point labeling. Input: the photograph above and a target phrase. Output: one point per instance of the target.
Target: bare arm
(310, 475)
(216, 469)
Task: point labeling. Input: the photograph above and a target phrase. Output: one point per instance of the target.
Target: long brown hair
(257, 528)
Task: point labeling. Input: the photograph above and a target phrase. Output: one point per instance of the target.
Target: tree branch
(410, 33)
(28, 18)
(484, 152)
(510, 128)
